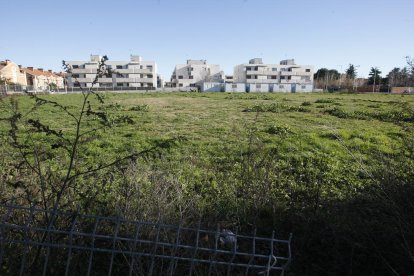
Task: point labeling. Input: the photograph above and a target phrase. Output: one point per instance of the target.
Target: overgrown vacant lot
(295, 123)
(334, 169)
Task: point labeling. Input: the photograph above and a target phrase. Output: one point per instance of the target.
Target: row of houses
(29, 77)
(254, 76)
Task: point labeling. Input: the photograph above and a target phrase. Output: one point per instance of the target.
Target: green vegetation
(336, 170)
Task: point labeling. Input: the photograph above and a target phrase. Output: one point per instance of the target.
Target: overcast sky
(323, 33)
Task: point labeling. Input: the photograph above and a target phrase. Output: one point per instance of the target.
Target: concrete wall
(304, 88)
(258, 87)
(212, 87)
(235, 87)
(402, 90)
(281, 87)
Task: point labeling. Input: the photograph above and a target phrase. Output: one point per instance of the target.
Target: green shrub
(324, 101)
(142, 108)
(281, 130)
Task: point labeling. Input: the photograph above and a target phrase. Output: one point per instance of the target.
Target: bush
(324, 101)
(142, 108)
(281, 130)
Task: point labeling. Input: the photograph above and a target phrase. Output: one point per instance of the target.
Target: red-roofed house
(43, 80)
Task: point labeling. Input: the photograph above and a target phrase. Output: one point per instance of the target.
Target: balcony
(84, 71)
(133, 71)
(129, 80)
(82, 79)
(262, 72)
(105, 80)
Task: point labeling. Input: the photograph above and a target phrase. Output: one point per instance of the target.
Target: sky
(322, 33)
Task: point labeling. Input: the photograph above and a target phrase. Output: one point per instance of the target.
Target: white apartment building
(196, 72)
(136, 74)
(283, 77)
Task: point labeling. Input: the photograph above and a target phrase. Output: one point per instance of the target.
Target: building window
(180, 85)
(119, 84)
(274, 69)
(258, 86)
(249, 77)
(289, 77)
(180, 77)
(191, 77)
(149, 76)
(234, 86)
(75, 75)
(75, 66)
(303, 86)
(281, 86)
(149, 67)
(119, 67)
(307, 70)
(273, 77)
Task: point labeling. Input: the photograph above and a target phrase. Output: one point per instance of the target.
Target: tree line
(331, 79)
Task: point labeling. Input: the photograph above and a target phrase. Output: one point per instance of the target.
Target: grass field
(303, 163)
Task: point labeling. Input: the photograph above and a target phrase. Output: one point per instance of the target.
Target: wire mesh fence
(36, 241)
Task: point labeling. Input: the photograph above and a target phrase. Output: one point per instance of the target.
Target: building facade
(40, 79)
(11, 73)
(30, 78)
(136, 74)
(283, 77)
(196, 72)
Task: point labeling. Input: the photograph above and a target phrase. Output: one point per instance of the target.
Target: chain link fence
(42, 242)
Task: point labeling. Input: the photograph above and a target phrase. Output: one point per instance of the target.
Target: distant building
(194, 73)
(229, 79)
(40, 79)
(11, 73)
(136, 73)
(283, 77)
(30, 78)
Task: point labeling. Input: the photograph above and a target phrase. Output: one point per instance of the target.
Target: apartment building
(286, 76)
(136, 74)
(194, 73)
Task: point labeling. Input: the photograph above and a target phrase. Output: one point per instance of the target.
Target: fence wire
(36, 241)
